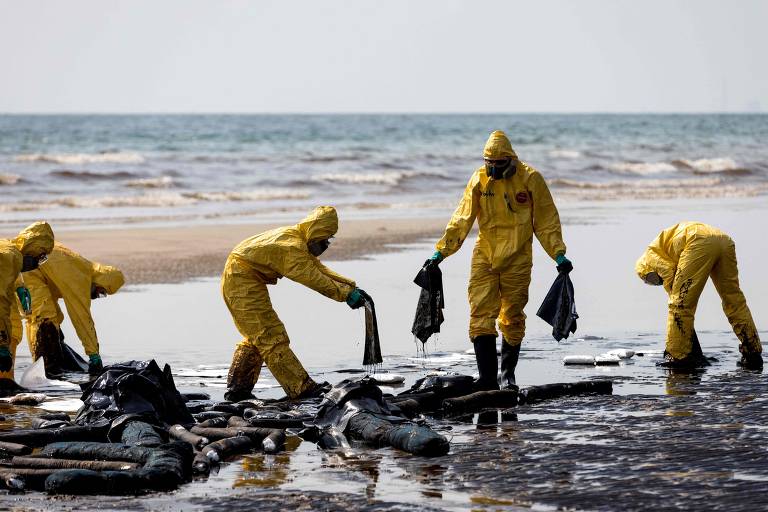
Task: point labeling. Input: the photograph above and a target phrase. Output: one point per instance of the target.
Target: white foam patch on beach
(82, 158)
(642, 167)
(385, 178)
(9, 179)
(710, 164)
(161, 182)
(146, 200)
(565, 154)
(648, 183)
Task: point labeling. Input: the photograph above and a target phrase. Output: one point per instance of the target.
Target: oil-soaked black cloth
(559, 307)
(138, 389)
(372, 353)
(429, 310)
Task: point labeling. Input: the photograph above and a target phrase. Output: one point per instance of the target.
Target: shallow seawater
(662, 441)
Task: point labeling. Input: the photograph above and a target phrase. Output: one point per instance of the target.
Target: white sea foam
(710, 164)
(253, 195)
(9, 179)
(643, 167)
(82, 158)
(161, 182)
(385, 178)
(566, 154)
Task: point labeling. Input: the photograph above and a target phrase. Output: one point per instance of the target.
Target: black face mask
(318, 247)
(29, 263)
(499, 171)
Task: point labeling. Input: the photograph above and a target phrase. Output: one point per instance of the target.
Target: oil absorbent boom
(372, 353)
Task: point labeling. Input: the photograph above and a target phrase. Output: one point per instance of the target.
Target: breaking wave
(9, 179)
(565, 154)
(711, 165)
(642, 167)
(392, 178)
(82, 158)
(92, 176)
(161, 182)
(155, 199)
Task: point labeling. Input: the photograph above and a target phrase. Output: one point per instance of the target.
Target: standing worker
(511, 201)
(22, 254)
(66, 275)
(681, 259)
(289, 251)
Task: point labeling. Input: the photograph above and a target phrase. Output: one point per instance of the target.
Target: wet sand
(178, 253)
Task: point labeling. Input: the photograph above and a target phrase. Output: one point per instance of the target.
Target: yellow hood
(35, 240)
(498, 147)
(107, 277)
(322, 223)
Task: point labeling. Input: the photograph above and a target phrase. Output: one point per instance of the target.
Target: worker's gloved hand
(435, 259)
(564, 265)
(25, 299)
(355, 299)
(95, 366)
(6, 361)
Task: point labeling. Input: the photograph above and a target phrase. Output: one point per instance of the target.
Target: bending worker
(289, 251)
(22, 254)
(511, 201)
(681, 259)
(66, 275)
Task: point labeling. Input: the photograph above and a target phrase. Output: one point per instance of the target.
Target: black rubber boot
(695, 359)
(751, 361)
(49, 348)
(487, 363)
(509, 356)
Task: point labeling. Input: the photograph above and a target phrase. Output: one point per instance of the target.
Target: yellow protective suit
(67, 275)
(35, 240)
(685, 255)
(260, 261)
(509, 212)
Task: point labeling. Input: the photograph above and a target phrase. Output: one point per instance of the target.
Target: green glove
(25, 298)
(564, 265)
(95, 366)
(355, 299)
(437, 256)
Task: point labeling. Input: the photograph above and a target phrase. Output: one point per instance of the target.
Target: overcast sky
(383, 56)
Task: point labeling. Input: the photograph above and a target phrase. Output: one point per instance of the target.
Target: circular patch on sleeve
(521, 197)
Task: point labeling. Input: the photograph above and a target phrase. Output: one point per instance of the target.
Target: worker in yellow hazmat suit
(259, 261)
(66, 275)
(22, 254)
(681, 259)
(511, 202)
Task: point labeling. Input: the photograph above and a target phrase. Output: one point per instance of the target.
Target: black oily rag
(559, 307)
(429, 309)
(372, 353)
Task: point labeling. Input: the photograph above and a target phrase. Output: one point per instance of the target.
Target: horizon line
(380, 113)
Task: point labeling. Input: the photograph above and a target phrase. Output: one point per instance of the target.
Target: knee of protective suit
(513, 335)
(9, 374)
(482, 327)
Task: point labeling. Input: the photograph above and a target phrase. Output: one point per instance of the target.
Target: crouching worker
(681, 259)
(292, 252)
(67, 275)
(22, 254)
(512, 203)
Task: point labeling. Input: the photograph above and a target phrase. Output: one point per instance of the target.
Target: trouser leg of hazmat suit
(499, 295)
(713, 255)
(248, 301)
(725, 276)
(16, 333)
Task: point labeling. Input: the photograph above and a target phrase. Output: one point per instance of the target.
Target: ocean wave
(9, 179)
(255, 195)
(636, 184)
(566, 154)
(92, 176)
(642, 167)
(391, 178)
(82, 158)
(160, 182)
(711, 165)
(327, 159)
